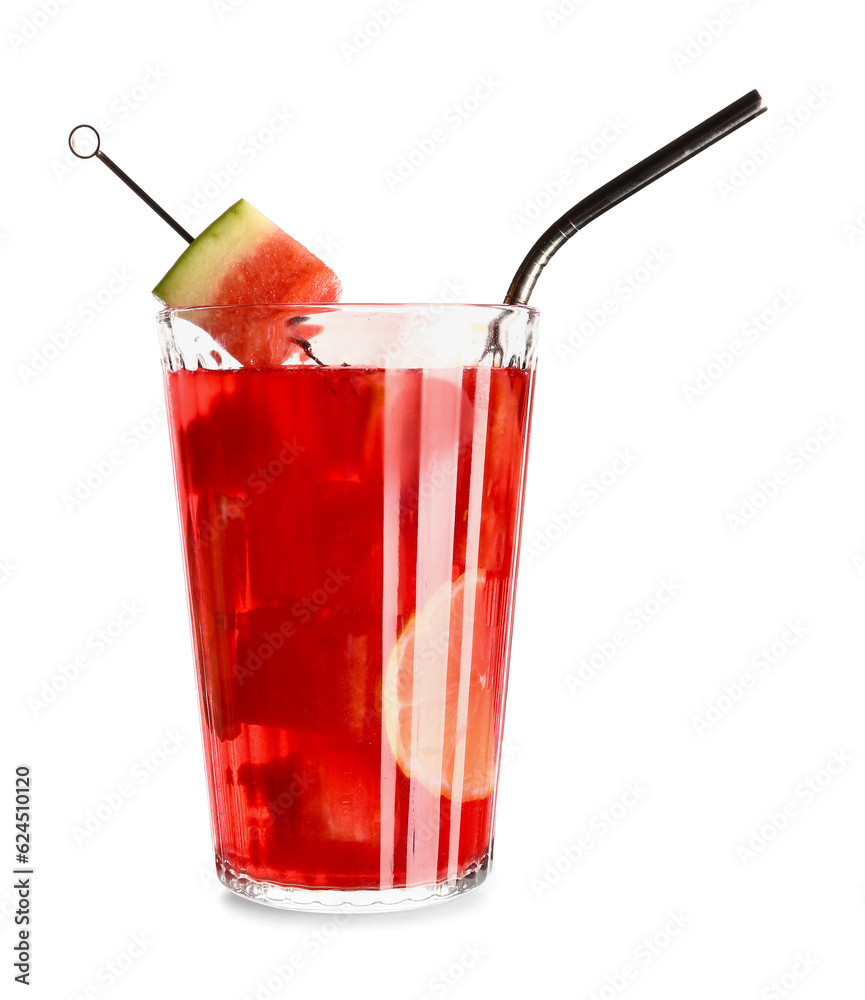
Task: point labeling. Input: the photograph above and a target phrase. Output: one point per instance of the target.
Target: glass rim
(312, 307)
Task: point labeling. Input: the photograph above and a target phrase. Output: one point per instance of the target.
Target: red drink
(351, 539)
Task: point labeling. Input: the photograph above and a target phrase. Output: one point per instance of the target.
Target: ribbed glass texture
(350, 484)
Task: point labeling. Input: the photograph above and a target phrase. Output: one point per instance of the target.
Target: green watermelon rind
(200, 267)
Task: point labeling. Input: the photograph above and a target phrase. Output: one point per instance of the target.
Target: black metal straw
(639, 176)
(127, 180)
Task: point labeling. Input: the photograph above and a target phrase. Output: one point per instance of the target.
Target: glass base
(295, 897)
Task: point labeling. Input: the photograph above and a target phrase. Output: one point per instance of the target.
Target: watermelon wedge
(243, 259)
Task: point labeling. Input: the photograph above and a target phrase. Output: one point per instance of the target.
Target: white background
(571, 926)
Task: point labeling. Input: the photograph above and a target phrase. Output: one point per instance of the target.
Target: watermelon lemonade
(350, 487)
(350, 513)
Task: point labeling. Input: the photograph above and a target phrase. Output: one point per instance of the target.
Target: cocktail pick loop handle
(85, 143)
(617, 190)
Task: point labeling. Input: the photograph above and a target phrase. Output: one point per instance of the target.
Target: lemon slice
(439, 699)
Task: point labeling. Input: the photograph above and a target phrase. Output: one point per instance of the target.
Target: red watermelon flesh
(243, 259)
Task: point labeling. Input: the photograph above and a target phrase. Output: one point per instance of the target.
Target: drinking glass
(350, 484)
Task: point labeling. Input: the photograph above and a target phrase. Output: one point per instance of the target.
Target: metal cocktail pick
(84, 142)
(639, 176)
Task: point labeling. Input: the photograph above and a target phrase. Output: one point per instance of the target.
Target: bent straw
(617, 190)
